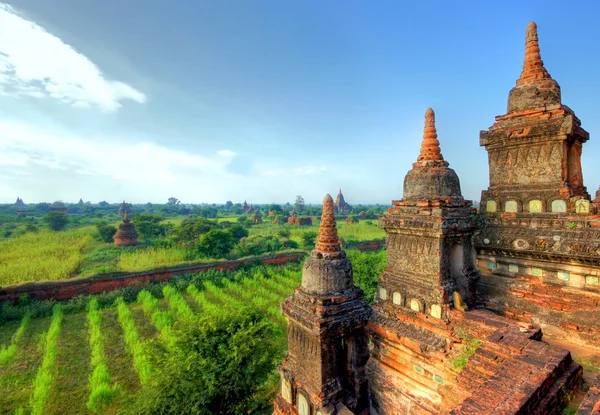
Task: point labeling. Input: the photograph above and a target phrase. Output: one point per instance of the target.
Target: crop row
(141, 362)
(101, 392)
(7, 354)
(44, 379)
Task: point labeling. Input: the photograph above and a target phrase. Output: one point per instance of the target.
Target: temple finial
(533, 66)
(126, 217)
(328, 243)
(430, 147)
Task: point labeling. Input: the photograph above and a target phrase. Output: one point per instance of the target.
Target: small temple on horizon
(341, 207)
(456, 324)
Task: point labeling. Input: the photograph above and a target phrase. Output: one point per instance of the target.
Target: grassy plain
(51, 256)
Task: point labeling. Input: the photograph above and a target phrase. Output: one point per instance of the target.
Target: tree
(238, 232)
(308, 239)
(149, 227)
(188, 233)
(228, 204)
(216, 364)
(56, 221)
(173, 201)
(216, 243)
(106, 232)
(299, 204)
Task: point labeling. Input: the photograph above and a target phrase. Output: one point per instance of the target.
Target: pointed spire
(430, 147)
(328, 242)
(126, 217)
(533, 66)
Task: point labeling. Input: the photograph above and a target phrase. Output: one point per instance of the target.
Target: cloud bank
(35, 63)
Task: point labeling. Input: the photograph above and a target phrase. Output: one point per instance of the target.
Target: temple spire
(328, 243)
(430, 147)
(126, 217)
(533, 66)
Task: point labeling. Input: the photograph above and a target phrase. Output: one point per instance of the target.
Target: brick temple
(126, 234)
(467, 296)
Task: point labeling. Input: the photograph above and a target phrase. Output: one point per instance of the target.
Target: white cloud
(38, 64)
(135, 162)
(226, 153)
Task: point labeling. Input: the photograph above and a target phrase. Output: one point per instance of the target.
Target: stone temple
(456, 327)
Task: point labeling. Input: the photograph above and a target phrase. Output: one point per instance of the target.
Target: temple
(324, 372)
(122, 209)
(456, 324)
(126, 234)
(341, 207)
(19, 202)
(538, 248)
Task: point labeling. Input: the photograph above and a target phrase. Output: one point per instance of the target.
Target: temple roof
(328, 243)
(535, 87)
(430, 177)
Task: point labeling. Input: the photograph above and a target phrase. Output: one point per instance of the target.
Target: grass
(364, 230)
(470, 345)
(43, 256)
(7, 354)
(101, 391)
(589, 365)
(145, 259)
(84, 354)
(44, 379)
(113, 336)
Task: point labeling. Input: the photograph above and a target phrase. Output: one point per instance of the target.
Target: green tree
(216, 364)
(106, 232)
(56, 221)
(188, 233)
(308, 239)
(149, 227)
(299, 204)
(216, 243)
(238, 232)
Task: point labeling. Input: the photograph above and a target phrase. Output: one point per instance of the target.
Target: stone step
(526, 384)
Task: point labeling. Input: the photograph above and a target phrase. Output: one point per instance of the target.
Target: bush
(215, 365)
(367, 267)
(284, 233)
(308, 239)
(216, 244)
(106, 232)
(56, 221)
(238, 232)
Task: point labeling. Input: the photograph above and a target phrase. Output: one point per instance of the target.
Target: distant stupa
(126, 235)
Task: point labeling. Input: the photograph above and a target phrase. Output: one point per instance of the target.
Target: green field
(54, 357)
(49, 256)
(365, 230)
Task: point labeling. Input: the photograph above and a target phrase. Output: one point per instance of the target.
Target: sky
(263, 100)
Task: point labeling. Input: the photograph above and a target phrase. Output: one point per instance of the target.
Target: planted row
(101, 392)
(7, 354)
(44, 379)
(141, 361)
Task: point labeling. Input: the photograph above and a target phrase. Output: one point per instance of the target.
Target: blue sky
(262, 100)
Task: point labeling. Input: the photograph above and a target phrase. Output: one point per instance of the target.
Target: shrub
(308, 239)
(215, 365)
(216, 244)
(106, 232)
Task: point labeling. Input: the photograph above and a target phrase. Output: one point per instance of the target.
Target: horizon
(267, 100)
